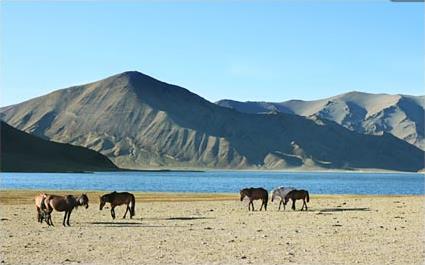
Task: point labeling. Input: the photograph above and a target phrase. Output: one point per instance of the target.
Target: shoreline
(201, 170)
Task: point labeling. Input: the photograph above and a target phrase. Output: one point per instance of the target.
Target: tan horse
(119, 198)
(41, 208)
(64, 204)
(255, 194)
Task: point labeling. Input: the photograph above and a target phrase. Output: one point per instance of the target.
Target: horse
(297, 195)
(41, 208)
(255, 194)
(119, 198)
(281, 193)
(64, 204)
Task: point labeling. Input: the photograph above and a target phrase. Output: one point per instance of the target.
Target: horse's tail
(45, 205)
(133, 206)
(308, 197)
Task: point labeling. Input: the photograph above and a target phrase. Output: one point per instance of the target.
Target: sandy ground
(218, 229)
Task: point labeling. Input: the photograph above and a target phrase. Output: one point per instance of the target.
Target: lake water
(219, 181)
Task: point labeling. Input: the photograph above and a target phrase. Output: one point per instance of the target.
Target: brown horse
(255, 194)
(64, 204)
(297, 195)
(41, 208)
(119, 198)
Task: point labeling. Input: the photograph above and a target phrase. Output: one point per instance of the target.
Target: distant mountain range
(400, 115)
(140, 122)
(22, 152)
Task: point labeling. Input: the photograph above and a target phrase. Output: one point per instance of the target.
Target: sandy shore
(218, 229)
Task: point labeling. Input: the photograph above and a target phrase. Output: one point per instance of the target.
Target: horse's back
(260, 193)
(118, 198)
(305, 192)
(57, 202)
(297, 194)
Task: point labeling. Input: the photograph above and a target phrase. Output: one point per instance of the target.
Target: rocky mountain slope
(140, 122)
(400, 115)
(22, 152)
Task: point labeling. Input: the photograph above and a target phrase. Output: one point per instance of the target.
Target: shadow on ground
(330, 210)
(127, 224)
(183, 218)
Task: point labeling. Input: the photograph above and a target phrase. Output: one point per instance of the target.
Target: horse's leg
(126, 210)
(305, 203)
(262, 203)
(49, 220)
(113, 212)
(39, 215)
(69, 215)
(293, 204)
(252, 204)
(64, 218)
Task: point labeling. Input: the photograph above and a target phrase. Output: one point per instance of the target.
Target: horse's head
(285, 200)
(243, 194)
(83, 200)
(102, 200)
(273, 194)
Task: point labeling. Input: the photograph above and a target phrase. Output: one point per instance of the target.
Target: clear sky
(256, 50)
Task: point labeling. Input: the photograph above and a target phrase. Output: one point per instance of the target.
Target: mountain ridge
(400, 115)
(22, 152)
(141, 122)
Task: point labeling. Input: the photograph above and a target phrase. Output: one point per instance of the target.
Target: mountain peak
(132, 76)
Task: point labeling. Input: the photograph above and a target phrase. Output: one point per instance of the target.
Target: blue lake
(220, 181)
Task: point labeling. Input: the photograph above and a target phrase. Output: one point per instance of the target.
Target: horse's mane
(74, 199)
(108, 197)
(277, 188)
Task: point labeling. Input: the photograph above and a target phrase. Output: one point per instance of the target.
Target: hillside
(22, 152)
(140, 122)
(399, 115)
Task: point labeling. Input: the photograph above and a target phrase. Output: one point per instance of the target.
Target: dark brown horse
(119, 198)
(64, 204)
(255, 194)
(297, 195)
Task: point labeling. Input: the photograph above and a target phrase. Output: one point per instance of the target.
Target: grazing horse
(119, 198)
(297, 195)
(41, 208)
(64, 204)
(255, 194)
(281, 193)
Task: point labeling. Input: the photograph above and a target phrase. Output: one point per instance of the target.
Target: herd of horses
(284, 193)
(46, 203)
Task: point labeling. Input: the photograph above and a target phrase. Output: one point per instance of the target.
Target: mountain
(22, 152)
(399, 115)
(140, 122)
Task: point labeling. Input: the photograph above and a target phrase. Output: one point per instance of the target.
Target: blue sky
(256, 50)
